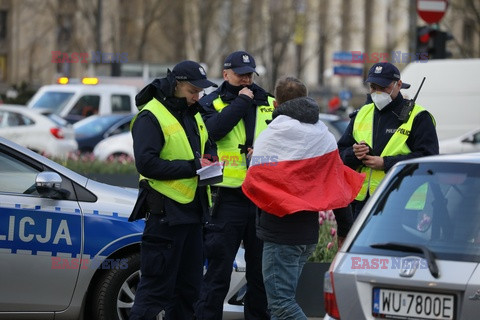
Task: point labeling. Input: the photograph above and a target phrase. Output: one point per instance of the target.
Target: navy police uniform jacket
(422, 140)
(148, 141)
(240, 107)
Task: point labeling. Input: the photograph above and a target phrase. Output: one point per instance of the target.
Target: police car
(67, 250)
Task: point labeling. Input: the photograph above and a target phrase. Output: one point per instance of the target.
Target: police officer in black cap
(169, 136)
(234, 114)
(378, 137)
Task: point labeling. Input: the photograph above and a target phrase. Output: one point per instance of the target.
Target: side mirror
(48, 185)
(469, 140)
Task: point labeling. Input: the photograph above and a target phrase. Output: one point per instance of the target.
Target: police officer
(234, 114)
(377, 137)
(168, 135)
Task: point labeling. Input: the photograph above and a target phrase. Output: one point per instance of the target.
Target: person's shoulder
(256, 88)
(144, 114)
(260, 93)
(208, 99)
(353, 114)
(424, 113)
(143, 118)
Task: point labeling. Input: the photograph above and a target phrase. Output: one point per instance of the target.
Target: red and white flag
(296, 166)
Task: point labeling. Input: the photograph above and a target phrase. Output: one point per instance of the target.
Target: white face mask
(382, 99)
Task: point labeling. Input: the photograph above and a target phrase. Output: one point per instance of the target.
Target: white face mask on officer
(382, 99)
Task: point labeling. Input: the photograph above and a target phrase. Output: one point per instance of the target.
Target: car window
(3, 118)
(476, 137)
(57, 120)
(95, 125)
(15, 119)
(16, 177)
(120, 103)
(341, 125)
(54, 101)
(86, 106)
(124, 127)
(434, 205)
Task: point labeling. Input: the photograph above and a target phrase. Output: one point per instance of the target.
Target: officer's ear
(275, 103)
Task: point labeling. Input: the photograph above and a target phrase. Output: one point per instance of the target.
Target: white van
(74, 102)
(451, 92)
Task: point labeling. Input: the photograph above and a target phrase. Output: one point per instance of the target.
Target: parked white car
(74, 102)
(122, 144)
(468, 142)
(48, 134)
(119, 145)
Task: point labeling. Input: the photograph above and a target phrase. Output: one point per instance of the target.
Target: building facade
(311, 39)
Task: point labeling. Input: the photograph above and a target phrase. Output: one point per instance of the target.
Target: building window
(468, 29)
(64, 28)
(3, 24)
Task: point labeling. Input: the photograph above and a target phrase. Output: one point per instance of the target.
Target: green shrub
(87, 164)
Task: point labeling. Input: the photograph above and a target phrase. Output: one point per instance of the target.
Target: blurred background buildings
(310, 39)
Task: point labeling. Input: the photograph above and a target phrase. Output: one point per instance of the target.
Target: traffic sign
(342, 56)
(345, 95)
(431, 11)
(344, 70)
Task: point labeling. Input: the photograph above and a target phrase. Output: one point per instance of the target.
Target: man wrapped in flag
(295, 171)
(295, 165)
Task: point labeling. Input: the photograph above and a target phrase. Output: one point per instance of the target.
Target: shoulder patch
(208, 99)
(353, 114)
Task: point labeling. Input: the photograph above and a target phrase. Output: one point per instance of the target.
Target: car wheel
(115, 291)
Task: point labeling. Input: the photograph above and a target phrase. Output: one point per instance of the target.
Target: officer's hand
(373, 162)
(249, 153)
(205, 162)
(360, 150)
(246, 92)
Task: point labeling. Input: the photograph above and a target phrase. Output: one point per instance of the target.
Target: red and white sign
(431, 11)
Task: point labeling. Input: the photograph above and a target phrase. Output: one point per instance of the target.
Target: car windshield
(53, 101)
(95, 125)
(59, 121)
(341, 125)
(435, 205)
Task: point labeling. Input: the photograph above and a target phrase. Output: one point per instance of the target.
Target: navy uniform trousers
(172, 268)
(233, 220)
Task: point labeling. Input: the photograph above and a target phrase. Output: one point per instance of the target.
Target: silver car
(414, 251)
(67, 250)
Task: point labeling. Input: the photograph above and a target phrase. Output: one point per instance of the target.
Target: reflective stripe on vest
(235, 168)
(363, 129)
(176, 147)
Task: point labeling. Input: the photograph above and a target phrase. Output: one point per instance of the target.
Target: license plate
(398, 304)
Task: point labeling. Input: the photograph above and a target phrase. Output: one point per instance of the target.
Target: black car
(91, 130)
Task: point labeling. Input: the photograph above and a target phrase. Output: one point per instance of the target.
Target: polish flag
(296, 166)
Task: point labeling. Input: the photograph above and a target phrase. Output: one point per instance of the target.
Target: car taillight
(329, 296)
(57, 133)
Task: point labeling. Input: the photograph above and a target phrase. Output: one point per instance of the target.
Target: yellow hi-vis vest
(363, 130)
(235, 167)
(176, 147)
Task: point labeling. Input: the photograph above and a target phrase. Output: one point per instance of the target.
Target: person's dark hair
(288, 88)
